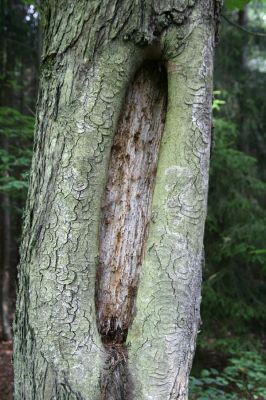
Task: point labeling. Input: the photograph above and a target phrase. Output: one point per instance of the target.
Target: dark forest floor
(6, 371)
(204, 358)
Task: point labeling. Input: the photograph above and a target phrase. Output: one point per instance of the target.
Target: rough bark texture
(92, 51)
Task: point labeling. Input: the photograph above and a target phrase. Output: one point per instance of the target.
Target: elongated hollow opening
(127, 201)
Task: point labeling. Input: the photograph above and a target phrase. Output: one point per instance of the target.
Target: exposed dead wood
(126, 216)
(127, 202)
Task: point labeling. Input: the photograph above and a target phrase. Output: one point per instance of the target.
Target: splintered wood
(127, 201)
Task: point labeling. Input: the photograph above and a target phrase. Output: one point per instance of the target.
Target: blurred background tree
(230, 358)
(235, 241)
(18, 78)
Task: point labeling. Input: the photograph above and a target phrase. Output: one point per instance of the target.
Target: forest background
(230, 361)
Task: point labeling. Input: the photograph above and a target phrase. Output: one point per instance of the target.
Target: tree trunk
(5, 281)
(110, 272)
(5, 213)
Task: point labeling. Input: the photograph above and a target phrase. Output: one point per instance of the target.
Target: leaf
(258, 251)
(205, 373)
(236, 4)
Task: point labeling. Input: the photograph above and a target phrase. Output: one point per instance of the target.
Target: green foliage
(230, 347)
(236, 4)
(238, 74)
(217, 102)
(16, 133)
(243, 378)
(234, 280)
(234, 291)
(229, 344)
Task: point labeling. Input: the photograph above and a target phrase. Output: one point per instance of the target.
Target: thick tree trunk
(110, 273)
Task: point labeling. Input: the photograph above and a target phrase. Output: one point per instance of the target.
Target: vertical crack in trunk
(126, 215)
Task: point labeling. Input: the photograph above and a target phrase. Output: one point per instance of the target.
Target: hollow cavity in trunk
(127, 201)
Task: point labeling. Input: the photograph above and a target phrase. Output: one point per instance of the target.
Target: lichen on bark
(91, 53)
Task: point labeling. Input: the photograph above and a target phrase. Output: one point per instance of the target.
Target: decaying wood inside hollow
(127, 201)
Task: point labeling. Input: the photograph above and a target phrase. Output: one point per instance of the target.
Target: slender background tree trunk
(6, 211)
(5, 300)
(110, 272)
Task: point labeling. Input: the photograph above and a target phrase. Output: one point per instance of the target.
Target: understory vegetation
(230, 360)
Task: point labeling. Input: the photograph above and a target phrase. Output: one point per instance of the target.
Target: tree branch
(243, 29)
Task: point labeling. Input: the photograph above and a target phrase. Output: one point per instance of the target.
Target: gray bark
(111, 311)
